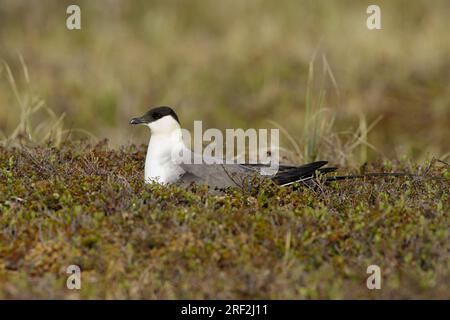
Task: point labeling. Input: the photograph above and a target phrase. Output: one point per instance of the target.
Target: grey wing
(288, 174)
(215, 175)
(234, 175)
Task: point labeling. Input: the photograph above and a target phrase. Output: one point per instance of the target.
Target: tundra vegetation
(366, 100)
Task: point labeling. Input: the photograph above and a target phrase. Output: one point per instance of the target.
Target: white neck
(166, 140)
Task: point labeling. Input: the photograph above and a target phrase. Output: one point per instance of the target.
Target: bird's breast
(159, 165)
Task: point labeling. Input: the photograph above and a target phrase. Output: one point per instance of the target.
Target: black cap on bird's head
(155, 114)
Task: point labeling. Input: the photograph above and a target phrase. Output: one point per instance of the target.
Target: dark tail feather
(373, 174)
(288, 176)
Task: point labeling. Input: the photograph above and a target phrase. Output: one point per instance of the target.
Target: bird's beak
(138, 120)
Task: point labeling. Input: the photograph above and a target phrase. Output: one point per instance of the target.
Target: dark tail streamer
(378, 174)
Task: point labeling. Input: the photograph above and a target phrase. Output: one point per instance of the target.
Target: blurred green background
(235, 64)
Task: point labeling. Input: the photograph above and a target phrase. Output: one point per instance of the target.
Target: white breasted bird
(166, 140)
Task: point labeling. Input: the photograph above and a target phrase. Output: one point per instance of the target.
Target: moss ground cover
(87, 205)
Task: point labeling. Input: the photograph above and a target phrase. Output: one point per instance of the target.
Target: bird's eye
(156, 116)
